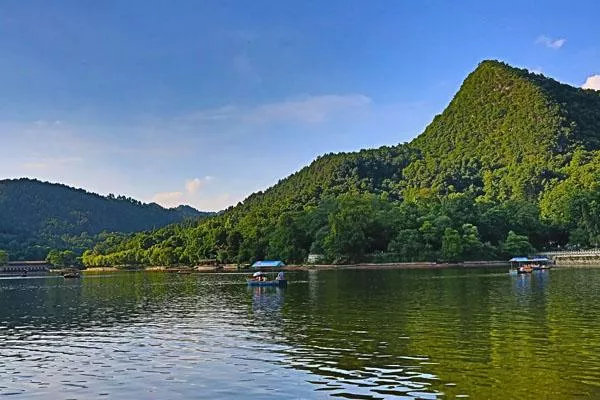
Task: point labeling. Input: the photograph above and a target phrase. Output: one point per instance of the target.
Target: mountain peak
(504, 117)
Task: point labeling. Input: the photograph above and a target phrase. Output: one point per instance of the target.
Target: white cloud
(192, 195)
(194, 185)
(592, 82)
(168, 199)
(551, 43)
(307, 109)
(216, 203)
(45, 163)
(310, 109)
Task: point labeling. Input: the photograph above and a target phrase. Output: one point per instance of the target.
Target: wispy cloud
(98, 158)
(550, 42)
(194, 185)
(43, 163)
(311, 109)
(168, 199)
(592, 82)
(192, 194)
(142, 158)
(307, 109)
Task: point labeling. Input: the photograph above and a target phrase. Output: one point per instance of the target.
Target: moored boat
(71, 274)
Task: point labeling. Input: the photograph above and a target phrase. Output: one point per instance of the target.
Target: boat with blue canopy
(526, 265)
(260, 279)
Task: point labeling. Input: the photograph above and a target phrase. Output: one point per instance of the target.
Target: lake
(358, 334)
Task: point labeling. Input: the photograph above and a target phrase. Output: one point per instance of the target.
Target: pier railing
(574, 257)
(568, 253)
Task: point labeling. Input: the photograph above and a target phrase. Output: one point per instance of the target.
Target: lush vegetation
(36, 217)
(3, 257)
(512, 165)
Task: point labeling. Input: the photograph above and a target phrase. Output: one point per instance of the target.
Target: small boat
(526, 265)
(259, 279)
(71, 274)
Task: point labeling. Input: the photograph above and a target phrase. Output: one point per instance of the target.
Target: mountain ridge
(41, 213)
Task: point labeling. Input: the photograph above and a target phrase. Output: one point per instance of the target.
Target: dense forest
(36, 217)
(510, 167)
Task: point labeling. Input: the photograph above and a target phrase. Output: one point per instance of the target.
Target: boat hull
(267, 283)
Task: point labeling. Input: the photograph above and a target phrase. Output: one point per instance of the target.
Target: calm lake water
(349, 334)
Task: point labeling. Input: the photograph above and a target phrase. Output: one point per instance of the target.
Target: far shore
(307, 267)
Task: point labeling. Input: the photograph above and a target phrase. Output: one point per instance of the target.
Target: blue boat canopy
(268, 264)
(527, 259)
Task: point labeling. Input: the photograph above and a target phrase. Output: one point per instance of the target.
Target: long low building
(24, 266)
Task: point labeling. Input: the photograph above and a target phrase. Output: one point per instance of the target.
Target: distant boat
(259, 279)
(526, 265)
(71, 274)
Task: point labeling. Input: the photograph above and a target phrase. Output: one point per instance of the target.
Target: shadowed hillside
(35, 216)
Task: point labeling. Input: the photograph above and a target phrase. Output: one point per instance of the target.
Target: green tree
(288, 242)
(346, 240)
(472, 246)
(64, 258)
(408, 245)
(452, 246)
(3, 257)
(517, 245)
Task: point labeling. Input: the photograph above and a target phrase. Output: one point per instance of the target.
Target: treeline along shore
(306, 267)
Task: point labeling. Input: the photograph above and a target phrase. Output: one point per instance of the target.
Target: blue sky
(204, 102)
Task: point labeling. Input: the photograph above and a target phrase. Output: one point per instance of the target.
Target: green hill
(506, 132)
(512, 162)
(36, 216)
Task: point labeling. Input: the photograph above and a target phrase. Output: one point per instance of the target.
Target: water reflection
(349, 334)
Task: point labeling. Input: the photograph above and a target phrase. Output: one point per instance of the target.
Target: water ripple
(341, 334)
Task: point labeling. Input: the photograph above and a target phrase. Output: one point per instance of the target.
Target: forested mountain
(507, 132)
(36, 216)
(511, 164)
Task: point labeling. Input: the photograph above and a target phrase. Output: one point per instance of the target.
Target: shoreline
(409, 265)
(309, 267)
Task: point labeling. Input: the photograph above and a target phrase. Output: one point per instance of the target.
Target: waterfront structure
(574, 257)
(23, 267)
